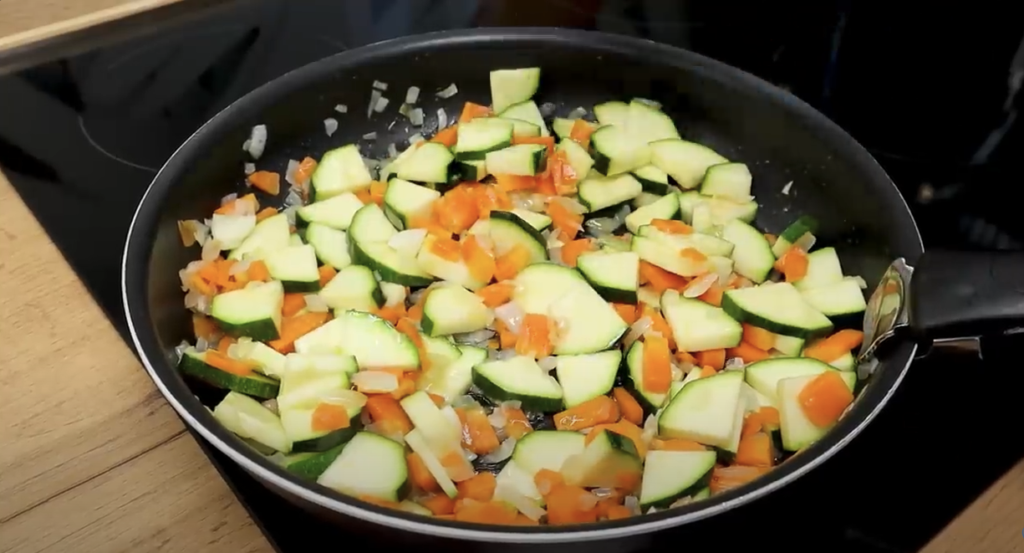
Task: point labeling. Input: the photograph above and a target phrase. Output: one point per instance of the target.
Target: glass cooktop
(82, 136)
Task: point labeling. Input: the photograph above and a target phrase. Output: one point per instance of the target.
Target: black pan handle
(956, 294)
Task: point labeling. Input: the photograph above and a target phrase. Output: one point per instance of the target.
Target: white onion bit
(341, 108)
(316, 304)
(289, 172)
(416, 117)
(330, 125)
(416, 138)
(503, 452)
(379, 85)
(636, 330)
(442, 119)
(370, 136)
(381, 105)
(249, 168)
(699, 285)
(511, 315)
(787, 188)
(412, 94)
(577, 113)
(257, 141)
(805, 242)
(448, 91)
(374, 96)
(548, 363)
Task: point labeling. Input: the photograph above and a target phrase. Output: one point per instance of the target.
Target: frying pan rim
(138, 251)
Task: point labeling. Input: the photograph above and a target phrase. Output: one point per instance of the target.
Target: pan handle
(955, 294)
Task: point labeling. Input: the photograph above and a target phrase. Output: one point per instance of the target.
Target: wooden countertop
(93, 458)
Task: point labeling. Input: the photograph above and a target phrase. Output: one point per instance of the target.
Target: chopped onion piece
(603, 225)
(211, 250)
(416, 138)
(290, 213)
(289, 172)
(681, 501)
(577, 113)
(475, 338)
(330, 125)
(403, 110)
(349, 398)
(341, 108)
(636, 330)
(293, 198)
(497, 418)
(867, 368)
(548, 363)
(787, 188)
(677, 373)
(442, 118)
(603, 492)
(650, 429)
(228, 199)
(805, 242)
(370, 136)
(448, 91)
(735, 363)
(416, 117)
(465, 401)
(503, 452)
(249, 168)
(257, 141)
(375, 381)
(381, 105)
(374, 96)
(186, 230)
(632, 503)
(571, 204)
(412, 94)
(408, 242)
(699, 285)
(271, 405)
(511, 315)
(392, 151)
(504, 354)
(379, 85)
(555, 254)
(528, 507)
(316, 304)
(588, 501)
(202, 345)
(547, 109)
(511, 404)
(179, 349)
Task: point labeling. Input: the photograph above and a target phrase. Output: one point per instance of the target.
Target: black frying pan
(746, 119)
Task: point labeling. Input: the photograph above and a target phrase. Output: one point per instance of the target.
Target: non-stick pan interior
(780, 138)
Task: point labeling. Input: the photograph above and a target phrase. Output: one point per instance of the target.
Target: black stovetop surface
(81, 137)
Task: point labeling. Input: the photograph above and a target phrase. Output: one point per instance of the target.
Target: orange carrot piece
(506, 338)
(447, 136)
(657, 364)
(364, 196)
(258, 271)
(562, 174)
(572, 251)
(677, 444)
(479, 261)
(622, 428)
(508, 265)
(446, 248)
(769, 417)
(378, 501)
(326, 274)
(707, 371)
(671, 226)
(713, 295)
(480, 487)
(471, 111)
(756, 450)
(387, 413)
(204, 327)
(265, 213)
(496, 294)
(439, 504)
(726, 478)
(660, 279)
(535, 336)
(416, 311)
(752, 424)
(617, 512)
(293, 303)
(514, 183)
(600, 410)
(626, 311)
(221, 361)
(581, 131)
(490, 198)
(202, 286)
(793, 264)
(305, 170)
(477, 431)
(748, 353)
(567, 223)
(489, 512)
(693, 254)
(628, 406)
(566, 505)
(420, 475)
(266, 181)
(659, 324)
(392, 314)
(824, 399)
(330, 416)
(758, 337)
(296, 327)
(714, 358)
(835, 346)
(377, 190)
(406, 385)
(546, 184)
(224, 343)
(547, 141)
(407, 327)
(516, 423)
(685, 357)
(457, 210)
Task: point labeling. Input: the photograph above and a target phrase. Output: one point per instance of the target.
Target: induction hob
(81, 137)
